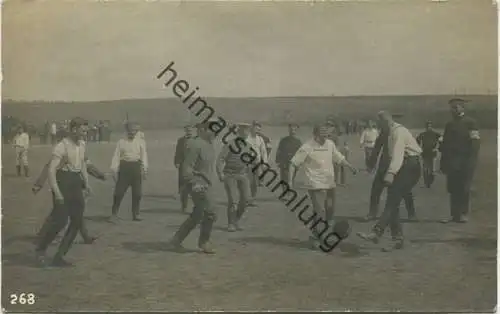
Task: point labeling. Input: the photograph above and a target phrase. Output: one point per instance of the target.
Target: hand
(353, 170)
(389, 178)
(221, 177)
(370, 170)
(87, 191)
(35, 189)
(59, 197)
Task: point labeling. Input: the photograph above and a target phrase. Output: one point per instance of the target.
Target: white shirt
(71, 155)
(257, 143)
(22, 140)
(401, 144)
(318, 161)
(53, 128)
(368, 137)
(140, 135)
(130, 150)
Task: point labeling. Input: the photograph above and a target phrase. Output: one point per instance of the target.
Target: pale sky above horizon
(86, 51)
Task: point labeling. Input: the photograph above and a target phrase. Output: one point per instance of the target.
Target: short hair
(457, 101)
(77, 122)
(293, 125)
(131, 124)
(256, 123)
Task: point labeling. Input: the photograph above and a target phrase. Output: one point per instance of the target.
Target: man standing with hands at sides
(180, 153)
(287, 148)
(129, 167)
(317, 156)
(429, 141)
(402, 175)
(257, 143)
(198, 174)
(367, 141)
(67, 176)
(459, 154)
(21, 145)
(233, 172)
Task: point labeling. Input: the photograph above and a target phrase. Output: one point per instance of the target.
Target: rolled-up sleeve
(301, 155)
(144, 156)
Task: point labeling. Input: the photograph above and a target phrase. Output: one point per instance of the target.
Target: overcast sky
(77, 50)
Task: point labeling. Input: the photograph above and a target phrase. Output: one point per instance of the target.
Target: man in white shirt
(129, 167)
(367, 141)
(259, 146)
(318, 156)
(53, 133)
(402, 175)
(21, 145)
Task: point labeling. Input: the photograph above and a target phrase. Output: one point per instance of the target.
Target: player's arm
(219, 166)
(57, 156)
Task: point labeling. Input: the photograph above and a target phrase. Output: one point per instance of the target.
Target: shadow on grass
(361, 219)
(152, 247)
(19, 259)
(162, 210)
(471, 243)
(98, 218)
(29, 238)
(162, 196)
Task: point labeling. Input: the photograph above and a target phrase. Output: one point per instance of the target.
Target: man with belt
(198, 175)
(428, 140)
(21, 146)
(459, 154)
(68, 180)
(233, 172)
(367, 141)
(287, 147)
(129, 167)
(402, 175)
(258, 144)
(317, 156)
(180, 152)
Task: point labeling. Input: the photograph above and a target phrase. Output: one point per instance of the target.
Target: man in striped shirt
(129, 167)
(402, 175)
(233, 172)
(21, 145)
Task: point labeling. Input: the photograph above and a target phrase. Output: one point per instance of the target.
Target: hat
(457, 101)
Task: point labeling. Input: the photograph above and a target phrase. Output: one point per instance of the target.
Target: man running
(429, 141)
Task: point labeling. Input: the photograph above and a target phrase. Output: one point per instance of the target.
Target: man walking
(428, 140)
(198, 175)
(68, 180)
(459, 153)
(129, 167)
(317, 156)
(257, 143)
(233, 172)
(21, 146)
(180, 154)
(367, 141)
(287, 147)
(401, 176)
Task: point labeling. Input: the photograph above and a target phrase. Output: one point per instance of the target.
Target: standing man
(381, 148)
(287, 147)
(402, 175)
(129, 167)
(317, 156)
(68, 180)
(198, 174)
(428, 140)
(459, 153)
(180, 155)
(258, 144)
(21, 146)
(233, 172)
(53, 133)
(367, 141)
(334, 134)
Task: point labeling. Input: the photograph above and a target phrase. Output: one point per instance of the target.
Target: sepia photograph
(195, 156)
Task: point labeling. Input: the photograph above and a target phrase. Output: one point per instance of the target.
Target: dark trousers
(340, 174)
(378, 187)
(253, 177)
(84, 233)
(203, 213)
(70, 184)
(428, 169)
(458, 183)
(403, 183)
(237, 189)
(129, 175)
(284, 169)
(183, 191)
(368, 153)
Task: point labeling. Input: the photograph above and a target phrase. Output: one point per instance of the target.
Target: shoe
(463, 219)
(231, 228)
(397, 244)
(238, 227)
(449, 220)
(174, 245)
(114, 219)
(369, 217)
(252, 204)
(60, 262)
(412, 218)
(90, 240)
(206, 249)
(372, 237)
(136, 218)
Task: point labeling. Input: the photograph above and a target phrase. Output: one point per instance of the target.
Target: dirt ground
(265, 267)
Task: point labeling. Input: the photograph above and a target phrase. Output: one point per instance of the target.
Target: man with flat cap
(198, 174)
(287, 148)
(459, 154)
(233, 172)
(429, 141)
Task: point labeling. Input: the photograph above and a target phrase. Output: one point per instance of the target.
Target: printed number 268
(23, 298)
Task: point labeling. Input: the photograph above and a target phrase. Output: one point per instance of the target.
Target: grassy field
(265, 267)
